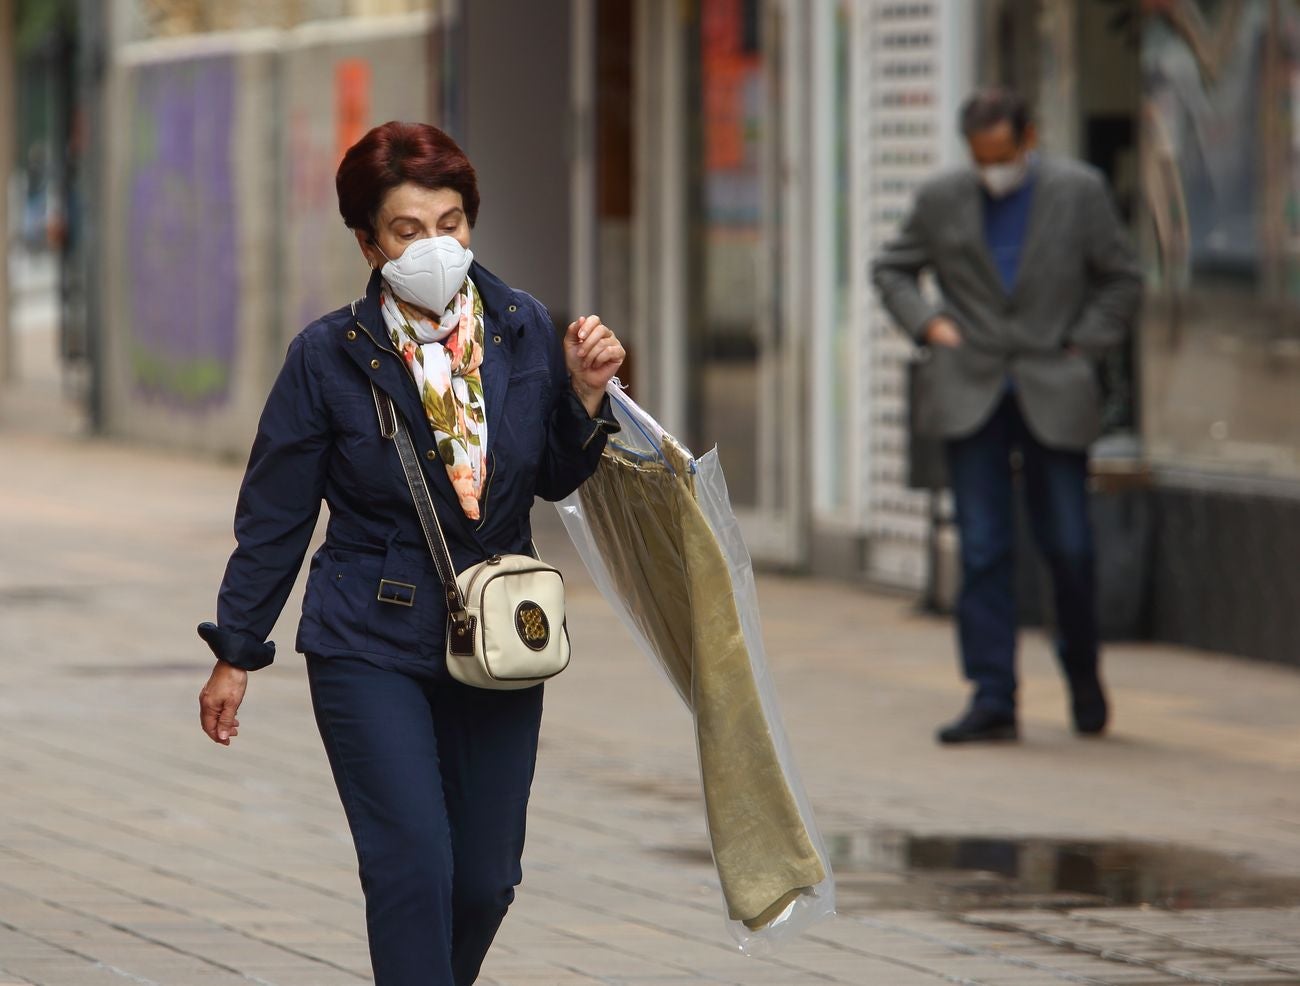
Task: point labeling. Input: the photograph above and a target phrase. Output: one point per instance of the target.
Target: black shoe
(980, 726)
(1089, 706)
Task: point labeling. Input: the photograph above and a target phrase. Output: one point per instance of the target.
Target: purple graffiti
(183, 253)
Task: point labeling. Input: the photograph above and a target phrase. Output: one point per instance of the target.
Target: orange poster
(351, 102)
(728, 73)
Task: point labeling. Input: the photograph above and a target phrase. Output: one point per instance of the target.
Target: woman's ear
(367, 243)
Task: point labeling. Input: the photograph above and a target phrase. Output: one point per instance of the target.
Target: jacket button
(431, 455)
(497, 340)
(352, 334)
(513, 308)
(374, 364)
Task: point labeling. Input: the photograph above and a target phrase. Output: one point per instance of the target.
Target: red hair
(392, 154)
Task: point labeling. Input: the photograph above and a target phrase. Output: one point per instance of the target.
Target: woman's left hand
(593, 355)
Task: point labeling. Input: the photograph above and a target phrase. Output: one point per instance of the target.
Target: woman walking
(433, 774)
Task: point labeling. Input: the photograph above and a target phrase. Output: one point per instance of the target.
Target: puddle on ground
(894, 870)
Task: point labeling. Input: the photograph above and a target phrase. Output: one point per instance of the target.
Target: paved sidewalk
(132, 850)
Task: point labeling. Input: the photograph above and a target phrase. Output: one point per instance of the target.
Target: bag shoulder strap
(392, 426)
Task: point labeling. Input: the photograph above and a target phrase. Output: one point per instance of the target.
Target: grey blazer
(1079, 287)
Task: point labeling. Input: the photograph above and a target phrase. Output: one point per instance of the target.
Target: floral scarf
(444, 359)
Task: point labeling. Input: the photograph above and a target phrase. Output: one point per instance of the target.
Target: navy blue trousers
(1055, 483)
(434, 778)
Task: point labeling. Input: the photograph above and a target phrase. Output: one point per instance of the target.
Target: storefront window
(843, 352)
(833, 361)
(1220, 170)
(615, 199)
(729, 297)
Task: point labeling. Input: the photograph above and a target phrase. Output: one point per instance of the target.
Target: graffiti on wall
(182, 236)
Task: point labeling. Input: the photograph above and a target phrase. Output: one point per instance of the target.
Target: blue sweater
(1006, 223)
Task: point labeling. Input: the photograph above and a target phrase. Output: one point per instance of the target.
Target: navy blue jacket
(318, 439)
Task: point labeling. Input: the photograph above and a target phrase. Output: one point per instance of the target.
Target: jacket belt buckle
(396, 593)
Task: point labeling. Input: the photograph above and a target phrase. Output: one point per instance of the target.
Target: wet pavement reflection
(890, 870)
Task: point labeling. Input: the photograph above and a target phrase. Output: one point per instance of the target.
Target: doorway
(47, 358)
(741, 368)
(691, 150)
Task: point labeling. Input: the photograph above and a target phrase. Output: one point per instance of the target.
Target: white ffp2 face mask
(1000, 180)
(429, 272)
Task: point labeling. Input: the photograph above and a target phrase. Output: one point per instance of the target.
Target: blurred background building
(713, 177)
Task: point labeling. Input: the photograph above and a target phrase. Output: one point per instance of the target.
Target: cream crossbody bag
(505, 615)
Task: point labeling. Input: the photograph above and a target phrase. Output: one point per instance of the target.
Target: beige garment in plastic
(673, 576)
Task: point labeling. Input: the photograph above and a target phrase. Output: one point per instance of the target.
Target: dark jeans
(1055, 485)
(434, 778)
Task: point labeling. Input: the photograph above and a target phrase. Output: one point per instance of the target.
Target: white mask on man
(429, 272)
(1000, 180)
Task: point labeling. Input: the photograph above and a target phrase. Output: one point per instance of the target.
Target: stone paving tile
(1164, 946)
(140, 850)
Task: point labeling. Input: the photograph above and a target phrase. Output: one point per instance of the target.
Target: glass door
(741, 369)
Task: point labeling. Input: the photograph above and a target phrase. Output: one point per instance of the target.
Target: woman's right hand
(219, 702)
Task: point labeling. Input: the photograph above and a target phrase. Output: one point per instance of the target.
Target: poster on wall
(351, 102)
(184, 280)
(732, 97)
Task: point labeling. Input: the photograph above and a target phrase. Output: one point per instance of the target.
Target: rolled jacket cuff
(238, 649)
(590, 427)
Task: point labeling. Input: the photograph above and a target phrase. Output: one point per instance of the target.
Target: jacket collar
(504, 317)
(1043, 221)
(505, 314)
(970, 219)
(502, 303)
(390, 375)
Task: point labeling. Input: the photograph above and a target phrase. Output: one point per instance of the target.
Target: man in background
(1036, 281)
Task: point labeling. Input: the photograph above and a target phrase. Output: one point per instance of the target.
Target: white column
(916, 66)
(659, 224)
(673, 220)
(8, 111)
(582, 171)
(822, 269)
(957, 74)
(1057, 111)
(784, 410)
